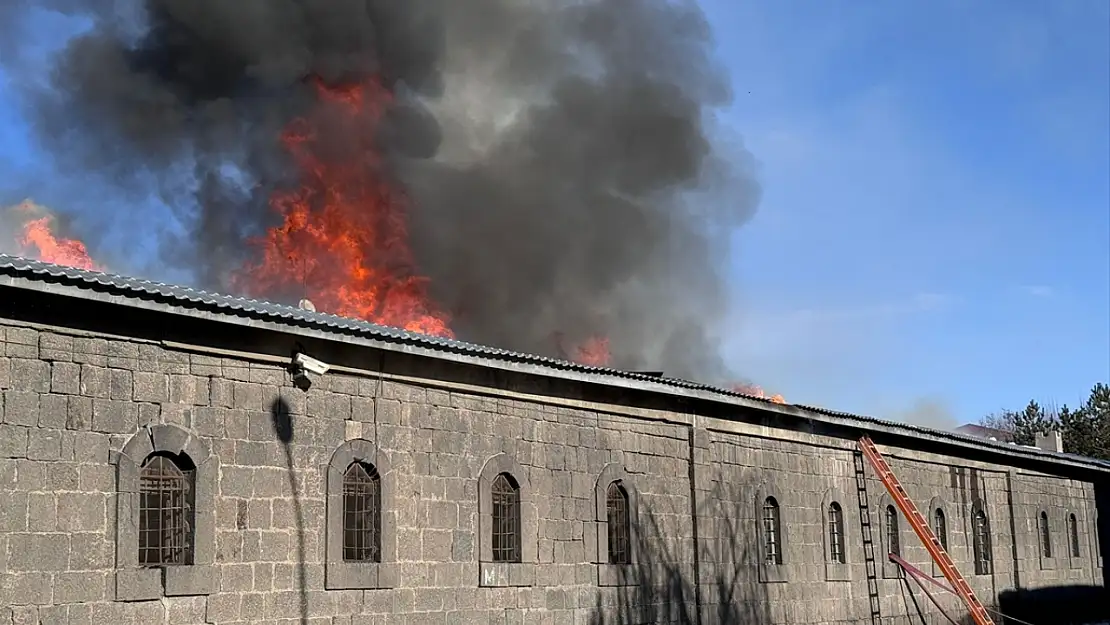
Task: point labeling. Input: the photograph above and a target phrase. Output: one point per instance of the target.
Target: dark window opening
(1073, 535)
(893, 545)
(166, 513)
(361, 514)
(772, 532)
(940, 528)
(505, 519)
(981, 545)
(1046, 535)
(836, 534)
(616, 505)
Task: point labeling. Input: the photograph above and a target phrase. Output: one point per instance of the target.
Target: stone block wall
(79, 410)
(806, 473)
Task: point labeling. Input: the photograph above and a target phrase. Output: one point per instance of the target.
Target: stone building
(165, 459)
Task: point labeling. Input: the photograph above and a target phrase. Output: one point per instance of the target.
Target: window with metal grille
(893, 545)
(981, 542)
(616, 506)
(1046, 535)
(940, 527)
(772, 532)
(1073, 535)
(836, 533)
(505, 509)
(362, 514)
(166, 499)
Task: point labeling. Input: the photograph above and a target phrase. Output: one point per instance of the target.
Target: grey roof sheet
(16, 266)
(980, 431)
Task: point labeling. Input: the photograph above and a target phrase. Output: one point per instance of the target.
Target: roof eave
(152, 302)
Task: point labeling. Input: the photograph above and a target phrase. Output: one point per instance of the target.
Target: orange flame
(344, 230)
(38, 241)
(343, 237)
(755, 391)
(593, 351)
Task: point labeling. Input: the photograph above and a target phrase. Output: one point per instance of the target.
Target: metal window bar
(892, 539)
(616, 505)
(981, 540)
(1073, 535)
(940, 528)
(506, 519)
(771, 531)
(1046, 537)
(165, 513)
(361, 514)
(836, 533)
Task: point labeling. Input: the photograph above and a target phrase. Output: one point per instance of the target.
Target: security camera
(311, 365)
(305, 369)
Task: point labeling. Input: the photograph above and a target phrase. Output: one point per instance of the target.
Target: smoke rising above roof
(557, 155)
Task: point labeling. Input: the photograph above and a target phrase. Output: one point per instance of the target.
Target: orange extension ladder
(924, 532)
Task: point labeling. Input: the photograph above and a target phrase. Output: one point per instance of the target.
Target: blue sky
(934, 238)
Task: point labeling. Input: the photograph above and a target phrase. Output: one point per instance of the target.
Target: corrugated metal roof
(240, 306)
(190, 298)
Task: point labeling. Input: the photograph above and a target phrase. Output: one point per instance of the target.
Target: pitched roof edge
(29, 274)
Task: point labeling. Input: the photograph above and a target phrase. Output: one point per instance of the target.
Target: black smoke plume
(557, 153)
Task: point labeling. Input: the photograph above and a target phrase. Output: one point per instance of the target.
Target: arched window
(166, 510)
(507, 527)
(892, 543)
(981, 542)
(505, 512)
(1046, 536)
(940, 528)
(772, 532)
(616, 506)
(836, 533)
(615, 522)
(165, 526)
(1073, 535)
(362, 513)
(360, 532)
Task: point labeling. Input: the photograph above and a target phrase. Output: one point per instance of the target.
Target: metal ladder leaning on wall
(868, 539)
(924, 532)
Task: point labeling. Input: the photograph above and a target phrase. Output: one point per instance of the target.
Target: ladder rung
(921, 528)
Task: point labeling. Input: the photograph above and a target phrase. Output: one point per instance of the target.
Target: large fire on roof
(296, 243)
(546, 180)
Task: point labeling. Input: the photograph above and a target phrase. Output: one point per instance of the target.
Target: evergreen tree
(1090, 432)
(1030, 422)
(1085, 430)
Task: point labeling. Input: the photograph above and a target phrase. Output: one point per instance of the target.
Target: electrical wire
(914, 574)
(920, 575)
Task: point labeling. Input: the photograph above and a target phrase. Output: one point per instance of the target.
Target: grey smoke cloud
(930, 412)
(558, 154)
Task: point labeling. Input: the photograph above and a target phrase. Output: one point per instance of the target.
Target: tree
(1085, 430)
(1089, 429)
(1023, 426)
(1001, 421)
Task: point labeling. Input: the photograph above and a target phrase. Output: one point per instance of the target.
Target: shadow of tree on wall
(920, 609)
(282, 420)
(662, 587)
(1077, 604)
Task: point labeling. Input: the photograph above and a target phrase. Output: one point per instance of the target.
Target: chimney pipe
(1050, 441)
